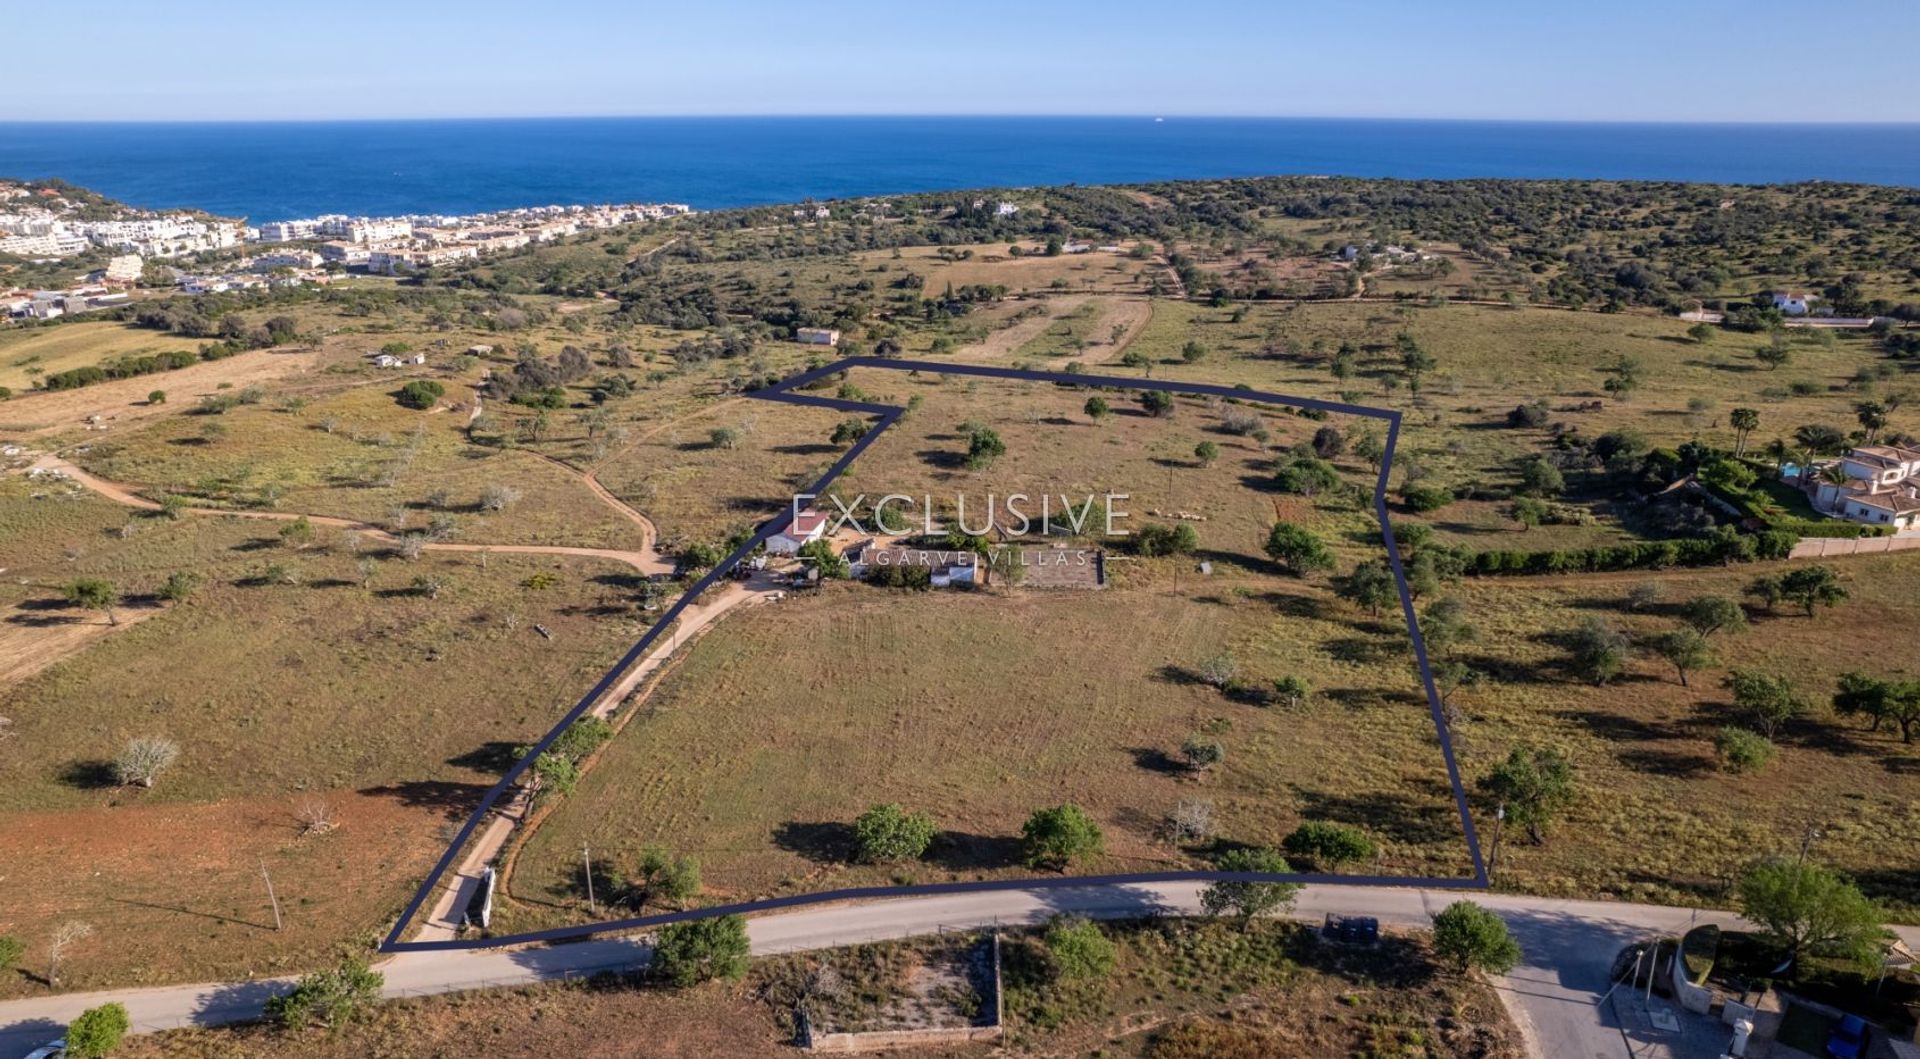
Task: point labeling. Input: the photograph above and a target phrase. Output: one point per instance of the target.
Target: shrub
(97, 1031)
(1078, 948)
(1154, 539)
(1202, 753)
(1424, 498)
(178, 586)
(143, 760)
(420, 394)
(330, 998)
(887, 833)
(1054, 838)
(1329, 846)
(1249, 899)
(1467, 936)
(698, 950)
(1742, 750)
(11, 949)
(1296, 548)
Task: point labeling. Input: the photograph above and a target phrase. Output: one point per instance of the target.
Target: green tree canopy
(1078, 948)
(329, 998)
(97, 1030)
(889, 833)
(1296, 548)
(1328, 846)
(1534, 785)
(1811, 911)
(1247, 899)
(1468, 937)
(698, 950)
(1768, 700)
(1055, 838)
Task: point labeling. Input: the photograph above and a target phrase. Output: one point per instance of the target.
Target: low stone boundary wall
(1821, 547)
(881, 1040)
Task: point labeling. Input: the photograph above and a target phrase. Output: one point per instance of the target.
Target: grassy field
(397, 707)
(29, 353)
(1054, 448)
(358, 454)
(360, 684)
(698, 490)
(756, 752)
(1658, 819)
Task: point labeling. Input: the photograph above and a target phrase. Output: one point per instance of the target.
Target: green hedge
(1641, 555)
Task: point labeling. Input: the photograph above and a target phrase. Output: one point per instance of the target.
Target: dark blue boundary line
(890, 414)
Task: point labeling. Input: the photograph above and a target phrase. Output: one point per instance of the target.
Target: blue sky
(1678, 60)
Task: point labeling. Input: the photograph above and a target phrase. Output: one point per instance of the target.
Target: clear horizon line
(1148, 116)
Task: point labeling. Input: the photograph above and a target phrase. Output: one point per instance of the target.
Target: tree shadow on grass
(495, 756)
(1393, 815)
(1179, 675)
(1666, 762)
(1827, 738)
(1154, 759)
(1901, 765)
(823, 842)
(455, 801)
(88, 774)
(942, 459)
(1615, 728)
(960, 851)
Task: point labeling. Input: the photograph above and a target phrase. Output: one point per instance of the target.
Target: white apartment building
(288, 231)
(287, 259)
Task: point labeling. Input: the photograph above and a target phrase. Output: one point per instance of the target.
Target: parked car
(50, 1050)
(1360, 929)
(1848, 1038)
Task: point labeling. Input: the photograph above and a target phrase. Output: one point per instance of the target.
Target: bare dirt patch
(175, 893)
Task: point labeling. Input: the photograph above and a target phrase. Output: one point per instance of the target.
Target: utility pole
(587, 859)
(271, 897)
(1807, 840)
(1499, 829)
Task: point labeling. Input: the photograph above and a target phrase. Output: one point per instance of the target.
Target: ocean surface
(281, 170)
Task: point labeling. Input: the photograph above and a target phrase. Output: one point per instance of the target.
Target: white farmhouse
(1882, 487)
(1792, 302)
(807, 526)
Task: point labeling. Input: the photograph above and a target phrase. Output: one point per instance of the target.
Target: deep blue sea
(281, 170)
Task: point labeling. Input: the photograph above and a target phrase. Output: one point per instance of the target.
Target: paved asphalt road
(1569, 947)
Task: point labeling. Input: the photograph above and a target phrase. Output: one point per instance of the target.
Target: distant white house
(396, 360)
(817, 336)
(1005, 209)
(1882, 487)
(1792, 302)
(807, 526)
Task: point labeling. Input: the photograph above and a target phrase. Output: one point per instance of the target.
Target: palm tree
(1872, 416)
(1833, 474)
(1744, 421)
(1777, 451)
